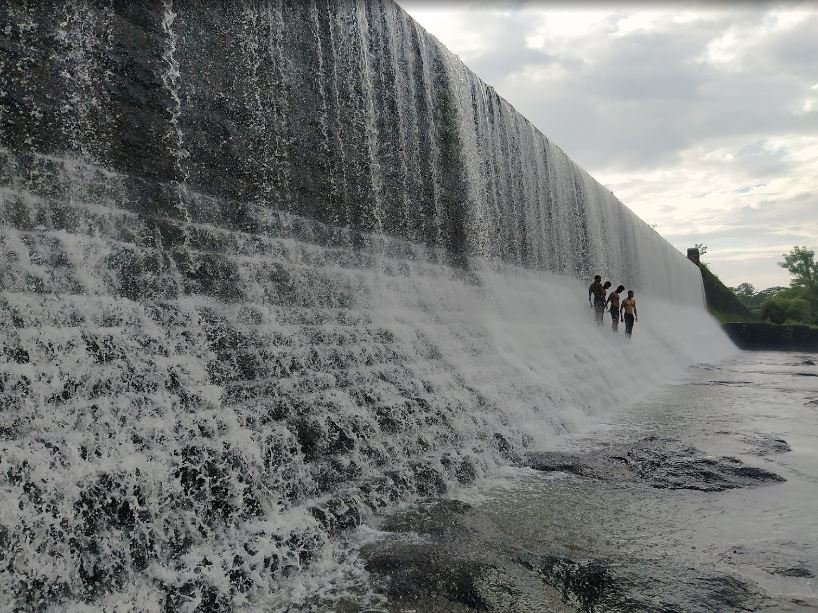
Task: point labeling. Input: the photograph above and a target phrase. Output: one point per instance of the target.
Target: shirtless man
(613, 300)
(629, 314)
(596, 298)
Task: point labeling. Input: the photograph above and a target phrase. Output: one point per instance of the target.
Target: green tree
(800, 263)
(770, 291)
(799, 310)
(780, 309)
(744, 290)
(752, 299)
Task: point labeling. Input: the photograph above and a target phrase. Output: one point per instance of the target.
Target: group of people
(620, 309)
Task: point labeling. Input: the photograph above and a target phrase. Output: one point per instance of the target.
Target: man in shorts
(596, 298)
(629, 314)
(613, 300)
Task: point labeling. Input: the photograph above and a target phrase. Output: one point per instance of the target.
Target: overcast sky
(703, 120)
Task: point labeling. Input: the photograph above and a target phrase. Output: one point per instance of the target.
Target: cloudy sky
(701, 118)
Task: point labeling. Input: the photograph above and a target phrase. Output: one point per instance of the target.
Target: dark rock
(726, 592)
(505, 448)
(466, 472)
(338, 515)
(437, 518)
(554, 461)
(208, 597)
(416, 572)
(428, 480)
(661, 463)
(588, 584)
(19, 355)
(665, 464)
(794, 571)
(765, 444)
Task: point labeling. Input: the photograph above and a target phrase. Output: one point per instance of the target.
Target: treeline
(796, 304)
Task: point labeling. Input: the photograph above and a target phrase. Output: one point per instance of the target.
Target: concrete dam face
(269, 267)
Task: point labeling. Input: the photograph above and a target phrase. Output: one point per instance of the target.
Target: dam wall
(269, 267)
(344, 113)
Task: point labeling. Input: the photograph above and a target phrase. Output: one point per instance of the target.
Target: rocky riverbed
(700, 498)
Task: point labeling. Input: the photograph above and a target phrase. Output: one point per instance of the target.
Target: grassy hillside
(721, 301)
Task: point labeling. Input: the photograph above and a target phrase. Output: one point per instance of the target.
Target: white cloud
(562, 23)
(810, 105)
(448, 26)
(724, 50)
(788, 18)
(538, 74)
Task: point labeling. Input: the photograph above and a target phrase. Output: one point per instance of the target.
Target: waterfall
(270, 268)
(174, 138)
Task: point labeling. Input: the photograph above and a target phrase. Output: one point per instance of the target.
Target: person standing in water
(629, 314)
(596, 298)
(613, 300)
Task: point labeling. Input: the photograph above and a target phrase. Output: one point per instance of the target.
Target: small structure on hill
(693, 255)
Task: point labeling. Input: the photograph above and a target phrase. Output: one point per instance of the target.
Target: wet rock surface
(662, 463)
(586, 583)
(423, 562)
(415, 575)
(766, 444)
(727, 593)
(728, 383)
(793, 571)
(447, 556)
(441, 556)
(787, 556)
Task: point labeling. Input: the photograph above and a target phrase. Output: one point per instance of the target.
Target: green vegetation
(797, 304)
(782, 318)
(800, 262)
(721, 301)
(781, 310)
(753, 299)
